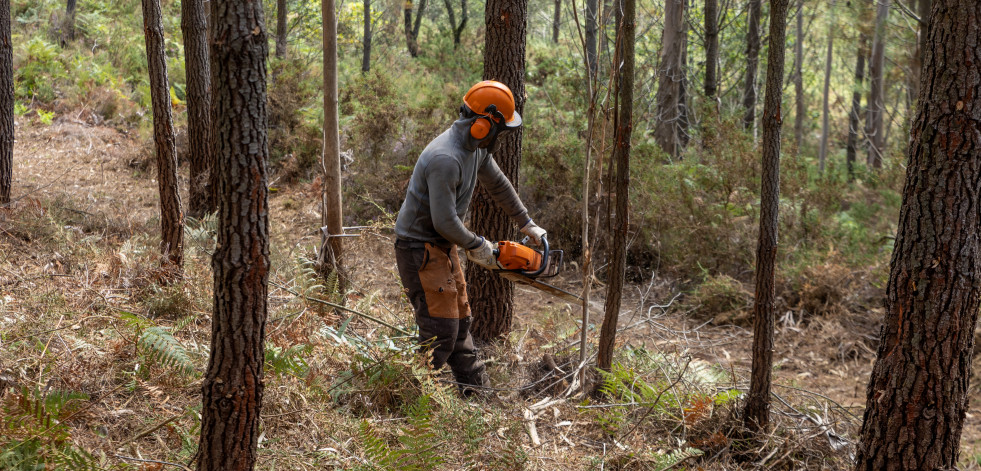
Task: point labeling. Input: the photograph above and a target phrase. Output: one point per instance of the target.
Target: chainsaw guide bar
(553, 290)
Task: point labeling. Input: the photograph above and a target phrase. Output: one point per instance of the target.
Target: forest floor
(80, 292)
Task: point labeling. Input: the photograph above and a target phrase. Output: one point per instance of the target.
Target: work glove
(483, 255)
(534, 232)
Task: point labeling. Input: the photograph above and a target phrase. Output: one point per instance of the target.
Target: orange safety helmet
(491, 100)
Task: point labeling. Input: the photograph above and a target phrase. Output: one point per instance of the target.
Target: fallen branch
(152, 429)
(342, 308)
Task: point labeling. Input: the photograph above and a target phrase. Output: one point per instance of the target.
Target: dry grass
(77, 252)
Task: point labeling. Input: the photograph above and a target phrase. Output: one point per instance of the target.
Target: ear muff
(481, 127)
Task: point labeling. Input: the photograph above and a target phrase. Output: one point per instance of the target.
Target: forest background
(112, 356)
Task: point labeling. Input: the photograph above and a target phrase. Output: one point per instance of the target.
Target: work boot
(474, 385)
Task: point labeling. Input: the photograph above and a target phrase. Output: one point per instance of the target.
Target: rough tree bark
(171, 214)
(491, 302)
(281, 13)
(874, 126)
(671, 127)
(801, 107)
(366, 39)
(711, 47)
(331, 210)
(624, 81)
(456, 28)
(825, 129)
(412, 31)
(752, 63)
(917, 396)
(756, 413)
(197, 64)
(922, 8)
(232, 389)
(855, 116)
(6, 104)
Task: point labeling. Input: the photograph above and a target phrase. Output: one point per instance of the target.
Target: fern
(160, 346)
(377, 452)
(418, 438)
(35, 435)
(289, 360)
(676, 457)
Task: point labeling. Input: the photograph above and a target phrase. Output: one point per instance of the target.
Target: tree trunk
(854, 118)
(6, 104)
(68, 26)
(876, 98)
(171, 215)
(412, 33)
(454, 27)
(624, 81)
(556, 21)
(756, 414)
(194, 26)
(801, 110)
(592, 10)
(922, 8)
(366, 41)
(671, 127)
(233, 387)
(825, 130)
(711, 47)
(504, 60)
(331, 209)
(917, 396)
(752, 63)
(281, 13)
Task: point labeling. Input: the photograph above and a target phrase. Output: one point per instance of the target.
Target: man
(430, 226)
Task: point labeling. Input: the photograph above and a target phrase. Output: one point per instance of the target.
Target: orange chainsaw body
(515, 256)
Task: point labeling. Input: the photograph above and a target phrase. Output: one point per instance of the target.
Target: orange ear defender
(481, 127)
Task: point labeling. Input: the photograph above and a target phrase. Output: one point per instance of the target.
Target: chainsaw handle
(541, 269)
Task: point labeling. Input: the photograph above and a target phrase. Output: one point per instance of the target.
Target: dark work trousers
(433, 280)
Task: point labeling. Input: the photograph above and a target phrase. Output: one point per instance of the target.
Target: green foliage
(418, 448)
(158, 345)
(288, 361)
(36, 434)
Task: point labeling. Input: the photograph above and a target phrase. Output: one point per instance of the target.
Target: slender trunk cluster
(752, 63)
(624, 80)
(457, 29)
(801, 107)
(491, 296)
(918, 393)
(232, 389)
(592, 11)
(756, 416)
(281, 13)
(68, 25)
(197, 66)
(825, 130)
(171, 213)
(556, 21)
(874, 126)
(855, 116)
(366, 41)
(412, 31)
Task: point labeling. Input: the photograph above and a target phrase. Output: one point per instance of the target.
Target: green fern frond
(676, 457)
(160, 346)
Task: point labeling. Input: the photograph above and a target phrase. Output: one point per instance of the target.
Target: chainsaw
(524, 265)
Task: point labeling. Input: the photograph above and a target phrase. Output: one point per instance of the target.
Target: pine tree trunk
(233, 386)
(624, 81)
(876, 80)
(855, 117)
(281, 13)
(504, 60)
(752, 63)
(670, 129)
(6, 104)
(331, 214)
(756, 413)
(194, 26)
(171, 214)
(711, 47)
(556, 21)
(463, 24)
(825, 129)
(410, 38)
(917, 396)
(366, 41)
(801, 106)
